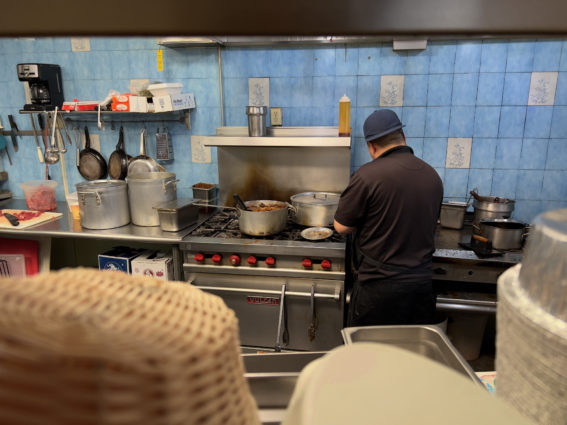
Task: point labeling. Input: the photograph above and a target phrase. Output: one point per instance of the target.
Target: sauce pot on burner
(263, 217)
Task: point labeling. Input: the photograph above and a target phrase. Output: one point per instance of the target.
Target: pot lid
(94, 185)
(316, 198)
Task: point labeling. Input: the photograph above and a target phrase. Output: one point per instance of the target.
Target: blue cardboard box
(118, 259)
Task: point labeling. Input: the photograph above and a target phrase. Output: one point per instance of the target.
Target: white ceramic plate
(316, 233)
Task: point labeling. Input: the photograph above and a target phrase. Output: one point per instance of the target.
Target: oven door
(280, 313)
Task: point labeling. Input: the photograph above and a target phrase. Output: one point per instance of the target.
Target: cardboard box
(174, 102)
(153, 264)
(118, 259)
(129, 103)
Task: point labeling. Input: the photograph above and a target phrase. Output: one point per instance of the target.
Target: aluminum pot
(503, 233)
(315, 209)
(263, 218)
(103, 204)
(146, 190)
(488, 208)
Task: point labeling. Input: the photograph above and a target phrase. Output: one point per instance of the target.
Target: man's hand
(343, 229)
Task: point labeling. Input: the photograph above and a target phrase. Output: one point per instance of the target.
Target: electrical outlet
(276, 116)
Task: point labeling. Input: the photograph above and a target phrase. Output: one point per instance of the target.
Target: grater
(164, 147)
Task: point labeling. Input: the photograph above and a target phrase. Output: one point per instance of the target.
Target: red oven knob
(251, 260)
(270, 261)
(326, 265)
(216, 258)
(306, 263)
(234, 260)
(199, 258)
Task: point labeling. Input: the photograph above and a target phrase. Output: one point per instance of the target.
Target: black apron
(407, 298)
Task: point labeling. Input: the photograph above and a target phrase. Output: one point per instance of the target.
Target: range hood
(408, 18)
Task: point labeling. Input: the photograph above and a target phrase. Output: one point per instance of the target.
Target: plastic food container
(452, 214)
(73, 204)
(164, 89)
(40, 194)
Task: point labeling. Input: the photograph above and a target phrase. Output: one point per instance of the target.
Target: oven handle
(336, 296)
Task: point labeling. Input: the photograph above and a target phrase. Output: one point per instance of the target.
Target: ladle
(52, 153)
(239, 202)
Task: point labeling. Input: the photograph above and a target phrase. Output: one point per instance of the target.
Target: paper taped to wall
(199, 152)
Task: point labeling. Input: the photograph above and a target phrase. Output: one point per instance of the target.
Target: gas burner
(224, 225)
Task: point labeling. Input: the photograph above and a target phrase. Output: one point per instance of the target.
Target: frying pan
(118, 161)
(92, 165)
(143, 163)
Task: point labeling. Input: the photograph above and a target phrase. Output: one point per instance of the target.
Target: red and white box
(154, 264)
(129, 102)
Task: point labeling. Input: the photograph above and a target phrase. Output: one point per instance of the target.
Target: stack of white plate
(531, 356)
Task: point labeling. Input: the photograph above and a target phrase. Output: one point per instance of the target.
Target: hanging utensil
(62, 125)
(314, 321)
(240, 202)
(39, 151)
(92, 166)
(4, 147)
(14, 127)
(143, 163)
(118, 161)
(164, 147)
(52, 152)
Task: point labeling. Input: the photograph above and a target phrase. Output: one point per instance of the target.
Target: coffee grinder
(44, 88)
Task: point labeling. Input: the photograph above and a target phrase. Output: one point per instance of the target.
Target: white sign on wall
(199, 152)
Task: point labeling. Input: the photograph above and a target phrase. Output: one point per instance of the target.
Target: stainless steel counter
(447, 247)
(450, 261)
(67, 227)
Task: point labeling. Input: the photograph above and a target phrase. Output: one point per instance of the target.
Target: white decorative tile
(542, 88)
(199, 152)
(80, 44)
(392, 90)
(258, 92)
(458, 153)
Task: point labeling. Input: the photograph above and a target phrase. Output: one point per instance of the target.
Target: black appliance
(45, 85)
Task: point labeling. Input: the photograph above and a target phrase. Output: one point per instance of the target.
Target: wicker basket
(83, 346)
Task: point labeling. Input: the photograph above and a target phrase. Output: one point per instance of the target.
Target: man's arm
(343, 229)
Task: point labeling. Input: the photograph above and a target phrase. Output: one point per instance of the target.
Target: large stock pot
(103, 204)
(263, 218)
(315, 209)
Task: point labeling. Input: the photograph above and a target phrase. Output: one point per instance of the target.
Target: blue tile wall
(454, 88)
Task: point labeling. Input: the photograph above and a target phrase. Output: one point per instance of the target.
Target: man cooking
(393, 204)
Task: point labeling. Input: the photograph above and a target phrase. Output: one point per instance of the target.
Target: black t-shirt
(394, 203)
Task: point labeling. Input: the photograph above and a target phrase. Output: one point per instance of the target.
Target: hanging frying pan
(143, 163)
(118, 161)
(92, 165)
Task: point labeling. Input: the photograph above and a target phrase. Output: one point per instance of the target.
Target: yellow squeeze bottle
(344, 116)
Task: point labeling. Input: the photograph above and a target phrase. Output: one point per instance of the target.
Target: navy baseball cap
(379, 123)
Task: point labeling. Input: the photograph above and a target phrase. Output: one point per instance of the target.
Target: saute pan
(118, 161)
(92, 165)
(143, 163)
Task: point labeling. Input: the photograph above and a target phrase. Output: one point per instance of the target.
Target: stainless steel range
(287, 292)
